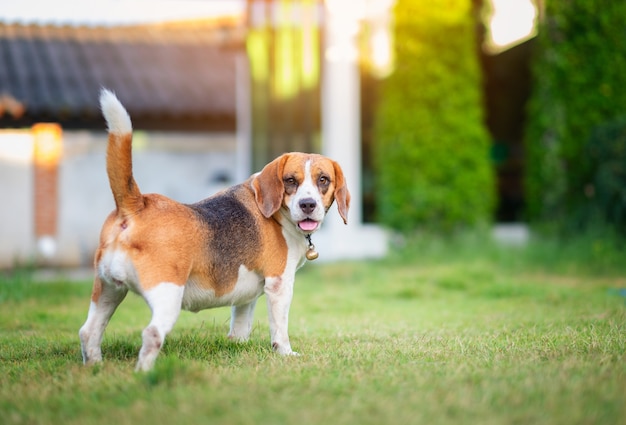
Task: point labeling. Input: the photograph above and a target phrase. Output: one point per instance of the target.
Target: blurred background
(445, 115)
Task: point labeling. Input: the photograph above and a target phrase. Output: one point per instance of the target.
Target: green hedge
(605, 189)
(576, 108)
(431, 146)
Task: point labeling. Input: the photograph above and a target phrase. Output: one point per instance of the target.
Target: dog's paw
(91, 362)
(284, 350)
(92, 356)
(238, 338)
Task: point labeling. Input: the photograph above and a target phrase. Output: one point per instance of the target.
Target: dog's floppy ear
(342, 196)
(268, 186)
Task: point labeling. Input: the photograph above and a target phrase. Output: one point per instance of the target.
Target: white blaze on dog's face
(303, 195)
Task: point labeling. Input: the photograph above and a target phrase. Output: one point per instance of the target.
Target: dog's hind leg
(165, 302)
(241, 321)
(104, 300)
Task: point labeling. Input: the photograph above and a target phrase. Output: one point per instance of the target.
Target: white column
(341, 136)
(341, 120)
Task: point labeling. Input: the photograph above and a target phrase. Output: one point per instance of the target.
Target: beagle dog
(226, 250)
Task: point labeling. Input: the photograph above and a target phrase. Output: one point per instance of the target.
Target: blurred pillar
(341, 121)
(47, 153)
(341, 134)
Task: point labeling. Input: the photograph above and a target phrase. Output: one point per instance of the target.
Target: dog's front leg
(279, 292)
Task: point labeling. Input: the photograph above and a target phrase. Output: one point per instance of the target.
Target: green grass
(441, 332)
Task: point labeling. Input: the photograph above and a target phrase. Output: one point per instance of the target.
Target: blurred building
(177, 81)
(211, 101)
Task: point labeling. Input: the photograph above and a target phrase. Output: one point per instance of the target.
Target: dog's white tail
(128, 198)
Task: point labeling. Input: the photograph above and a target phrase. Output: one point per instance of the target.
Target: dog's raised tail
(128, 198)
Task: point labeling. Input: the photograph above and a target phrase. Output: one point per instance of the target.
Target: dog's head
(303, 186)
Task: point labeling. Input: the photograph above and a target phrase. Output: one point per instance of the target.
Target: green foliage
(431, 146)
(605, 183)
(594, 252)
(579, 76)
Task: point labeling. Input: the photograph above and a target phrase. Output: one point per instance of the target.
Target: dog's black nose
(307, 205)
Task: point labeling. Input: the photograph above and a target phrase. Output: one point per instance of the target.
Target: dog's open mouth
(307, 225)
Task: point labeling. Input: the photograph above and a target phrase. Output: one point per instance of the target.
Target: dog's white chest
(249, 287)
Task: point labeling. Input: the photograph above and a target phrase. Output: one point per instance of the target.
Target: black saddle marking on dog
(234, 238)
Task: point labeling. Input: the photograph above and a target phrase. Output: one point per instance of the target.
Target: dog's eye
(290, 181)
(323, 181)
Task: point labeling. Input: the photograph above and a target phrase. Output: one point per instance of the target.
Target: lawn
(438, 333)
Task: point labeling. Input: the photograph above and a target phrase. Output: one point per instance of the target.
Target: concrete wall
(185, 167)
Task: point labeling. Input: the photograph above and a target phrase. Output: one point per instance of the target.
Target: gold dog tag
(311, 254)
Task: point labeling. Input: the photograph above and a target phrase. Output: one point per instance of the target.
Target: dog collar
(311, 253)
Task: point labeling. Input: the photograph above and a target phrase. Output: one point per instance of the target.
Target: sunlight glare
(511, 22)
(16, 146)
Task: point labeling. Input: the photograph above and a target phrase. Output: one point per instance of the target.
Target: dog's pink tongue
(308, 225)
